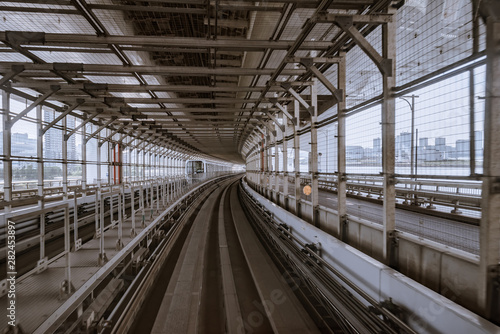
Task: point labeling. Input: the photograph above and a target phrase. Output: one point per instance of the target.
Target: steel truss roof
(190, 73)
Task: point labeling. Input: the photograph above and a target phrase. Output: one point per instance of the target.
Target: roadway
(452, 233)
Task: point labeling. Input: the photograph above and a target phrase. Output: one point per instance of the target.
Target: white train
(195, 167)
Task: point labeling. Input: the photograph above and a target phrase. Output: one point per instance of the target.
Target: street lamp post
(412, 143)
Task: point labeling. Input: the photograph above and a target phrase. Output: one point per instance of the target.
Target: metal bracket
(24, 37)
(386, 66)
(493, 291)
(95, 86)
(42, 265)
(344, 22)
(310, 109)
(393, 249)
(78, 244)
(495, 186)
(72, 67)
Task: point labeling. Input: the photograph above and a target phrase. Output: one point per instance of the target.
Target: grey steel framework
(150, 85)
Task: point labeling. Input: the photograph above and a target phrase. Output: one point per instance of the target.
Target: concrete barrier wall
(450, 272)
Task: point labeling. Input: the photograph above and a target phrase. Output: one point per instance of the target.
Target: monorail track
(217, 271)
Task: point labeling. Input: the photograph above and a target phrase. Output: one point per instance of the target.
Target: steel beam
(16, 69)
(346, 23)
(283, 109)
(156, 70)
(296, 95)
(39, 100)
(82, 124)
(108, 122)
(63, 114)
(113, 132)
(169, 42)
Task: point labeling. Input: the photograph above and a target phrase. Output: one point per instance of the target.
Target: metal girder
(144, 88)
(156, 70)
(100, 128)
(113, 133)
(260, 130)
(346, 23)
(153, 9)
(322, 60)
(296, 95)
(15, 70)
(236, 24)
(274, 119)
(366, 18)
(267, 125)
(63, 114)
(213, 118)
(308, 63)
(38, 10)
(92, 116)
(281, 108)
(53, 89)
(165, 41)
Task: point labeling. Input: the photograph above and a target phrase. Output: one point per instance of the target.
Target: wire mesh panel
(431, 35)
(364, 80)
(327, 149)
(364, 142)
(23, 142)
(441, 129)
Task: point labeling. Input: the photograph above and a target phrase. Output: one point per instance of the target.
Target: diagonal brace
(113, 133)
(16, 69)
(337, 93)
(346, 24)
(111, 120)
(275, 120)
(53, 89)
(61, 116)
(281, 108)
(82, 124)
(295, 95)
(267, 125)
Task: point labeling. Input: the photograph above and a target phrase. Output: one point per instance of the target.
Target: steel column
(341, 154)
(65, 159)
(285, 161)
(39, 154)
(296, 148)
(84, 162)
(7, 160)
(314, 155)
(489, 234)
(388, 144)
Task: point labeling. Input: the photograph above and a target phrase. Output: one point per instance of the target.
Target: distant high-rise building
(405, 140)
(54, 138)
(423, 142)
(463, 148)
(377, 144)
(441, 144)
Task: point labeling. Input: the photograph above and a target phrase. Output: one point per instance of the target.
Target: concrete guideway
(260, 302)
(428, 311)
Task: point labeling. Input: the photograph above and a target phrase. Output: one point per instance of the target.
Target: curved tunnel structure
(250, 167)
